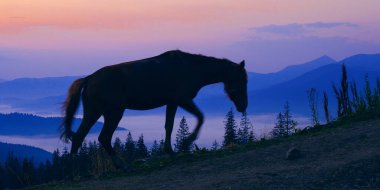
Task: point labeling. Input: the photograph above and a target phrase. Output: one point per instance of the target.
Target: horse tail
(69, 107)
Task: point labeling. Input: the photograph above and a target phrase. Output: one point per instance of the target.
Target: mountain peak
(326, 58)
(296, 70)
(313, 64)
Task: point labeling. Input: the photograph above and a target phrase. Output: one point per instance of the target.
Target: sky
(42, 38)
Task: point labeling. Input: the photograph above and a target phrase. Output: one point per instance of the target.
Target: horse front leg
(193, 109)
(169, 122)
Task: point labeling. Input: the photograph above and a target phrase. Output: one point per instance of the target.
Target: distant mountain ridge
(30, 88)
(31, 125)
(260, 81)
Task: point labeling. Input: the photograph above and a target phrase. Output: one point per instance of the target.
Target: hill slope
(23, 151)
(345, 157)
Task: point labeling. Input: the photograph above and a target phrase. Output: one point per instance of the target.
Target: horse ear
(242, 64)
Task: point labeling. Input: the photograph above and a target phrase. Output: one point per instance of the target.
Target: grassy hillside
(339, 157)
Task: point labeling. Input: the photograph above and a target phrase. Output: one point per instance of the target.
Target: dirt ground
(346, 157)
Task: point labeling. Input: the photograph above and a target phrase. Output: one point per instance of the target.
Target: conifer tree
(279, 128)
(50, 173)
(83, 159)
(230, 129)
(118, 145)
(285, 124)
(181, 136)
(162, 146)
(215, 145)
(155, 149)
(13, 166)
(289, 123)
(129, 148)
(245, 133)
(28, 172)
(142, 150)
(57, 166)
(41, 173)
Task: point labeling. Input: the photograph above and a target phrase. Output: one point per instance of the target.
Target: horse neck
(216, 72)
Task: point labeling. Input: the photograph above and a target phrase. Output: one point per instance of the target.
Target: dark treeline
(92, 160)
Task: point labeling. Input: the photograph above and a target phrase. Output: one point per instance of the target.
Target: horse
(172, 78)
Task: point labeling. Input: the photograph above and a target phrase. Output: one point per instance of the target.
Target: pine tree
(142, 150)
(13, 171)
(162, 146)
(57, 166)
(50, 173)
(279, 128)
(83, 160)
(41, 173)
(129, 148)
(155, 149)
(215, 145)
(289, 123)
(28, 172)
(230, 129)
(252, 136)
(117, 145)
(181, 136)
(245, 132)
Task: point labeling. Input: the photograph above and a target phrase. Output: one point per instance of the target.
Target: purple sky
(49, 38)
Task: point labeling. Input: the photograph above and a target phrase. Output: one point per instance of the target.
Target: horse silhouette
(173, 79)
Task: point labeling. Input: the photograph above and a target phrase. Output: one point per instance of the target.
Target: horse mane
(201, 56)
(224, 61)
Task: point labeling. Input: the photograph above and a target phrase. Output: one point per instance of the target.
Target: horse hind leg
(111, 121)
(89, 119)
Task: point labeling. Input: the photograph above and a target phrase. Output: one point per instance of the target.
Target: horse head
(236, 86)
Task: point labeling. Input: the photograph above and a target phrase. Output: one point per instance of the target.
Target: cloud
(298, 29)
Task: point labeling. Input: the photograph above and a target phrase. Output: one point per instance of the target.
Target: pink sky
(76, 37)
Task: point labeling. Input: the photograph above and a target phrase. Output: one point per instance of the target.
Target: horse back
(147, 83)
